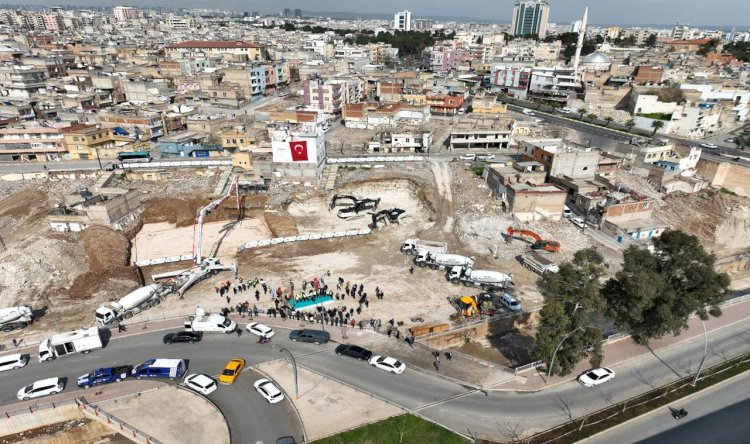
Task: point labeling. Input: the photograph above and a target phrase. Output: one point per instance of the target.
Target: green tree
(650, 41)
(572, 299)
(656, 125)
(609, 120)
(591, 116)
(581, 111)
(288, 26)
(630, 124)
(708, 47)
(655, 293)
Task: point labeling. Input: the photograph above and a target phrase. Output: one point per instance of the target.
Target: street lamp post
(294, 366)
(705, 351)
(552, 361)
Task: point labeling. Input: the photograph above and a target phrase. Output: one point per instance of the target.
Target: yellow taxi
(232, 371)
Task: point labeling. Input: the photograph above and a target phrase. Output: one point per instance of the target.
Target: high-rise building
(287, 13)
(124, 13)
(402, 21)
(530, 18)
(681, 32)
(297, 13)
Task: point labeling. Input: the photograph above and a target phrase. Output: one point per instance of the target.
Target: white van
(566, 110)
(12, 362)
(567, 212)
(528, 112)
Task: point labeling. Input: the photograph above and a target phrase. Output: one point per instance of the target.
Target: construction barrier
(175, 164)
(374, 159)
(303, 237)
(164, 260)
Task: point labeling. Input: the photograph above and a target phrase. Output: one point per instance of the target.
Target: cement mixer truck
(133, 303)
(478, 278)
(412, 246)
(15, 318)
(441, 261)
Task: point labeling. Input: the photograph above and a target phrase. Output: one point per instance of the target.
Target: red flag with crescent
(299, 150)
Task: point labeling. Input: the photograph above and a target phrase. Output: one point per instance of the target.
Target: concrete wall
(733, 177)
(576, 164)
(527, 206)
(630, 210)
(39, 418)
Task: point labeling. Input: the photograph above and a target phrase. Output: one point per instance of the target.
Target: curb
(656, 410)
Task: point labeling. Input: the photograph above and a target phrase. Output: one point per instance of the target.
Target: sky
(724, 13)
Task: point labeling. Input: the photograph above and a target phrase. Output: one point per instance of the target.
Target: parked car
(232, 370)
(13, 362)
(709, 145)
(259, 329)
(467, 156)
(183, 336)
(41, 388)
(203, 384)
(269, 390)
(283, 94)
(315, 336)
(578, 222)
(596, 376)
(528, 112)
(354, 351)
(565, 110)
(485, 157)
(388, 364)
(567, 212)
(286, 440)
(730, 140)
(510, 302)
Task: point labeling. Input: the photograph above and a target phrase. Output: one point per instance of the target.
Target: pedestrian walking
(449, 356)
(437, 365)
(398, 334)
(389, 332)
(238, 331)
(257, 295)
(411, 270)
(229, 300)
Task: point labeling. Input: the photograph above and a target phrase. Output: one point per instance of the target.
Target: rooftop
(213, 44)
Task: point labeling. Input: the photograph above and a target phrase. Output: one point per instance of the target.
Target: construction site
(198, 224)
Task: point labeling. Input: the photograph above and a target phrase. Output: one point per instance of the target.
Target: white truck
(209, 322)
(131, 304)
(412, 246)
(478, 278)
(77, 341)
(537, 263)
(441, 261)
(15, 318)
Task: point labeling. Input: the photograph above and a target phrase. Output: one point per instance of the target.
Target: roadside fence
(115, 423)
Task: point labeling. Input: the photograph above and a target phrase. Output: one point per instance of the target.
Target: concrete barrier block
(171, 259)
(264, 243)
(365, 231)
(251, 244)
(187, 257)
(303, 237)
(352, 233)
(277, 240)
(290, 239)
(326, 235)
(339, 233)
(158, 261)
(143, 263)
(315, 236)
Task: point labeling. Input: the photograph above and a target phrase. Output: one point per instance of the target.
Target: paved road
(718, 414)
(453, 405)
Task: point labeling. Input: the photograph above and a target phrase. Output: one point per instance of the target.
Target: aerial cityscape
(395, 222)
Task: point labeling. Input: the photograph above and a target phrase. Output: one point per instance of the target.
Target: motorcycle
(263, 340)
(679, 414)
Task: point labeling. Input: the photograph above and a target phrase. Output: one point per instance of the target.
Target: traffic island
(327, 407)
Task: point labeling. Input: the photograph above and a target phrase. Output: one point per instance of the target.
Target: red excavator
(539, 244)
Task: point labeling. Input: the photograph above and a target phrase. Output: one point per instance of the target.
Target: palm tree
(630, 124)
(581, 111)
(609, 120)
(656, 125)
(591, 116)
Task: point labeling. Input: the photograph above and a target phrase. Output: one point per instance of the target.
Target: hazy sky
(696, 12)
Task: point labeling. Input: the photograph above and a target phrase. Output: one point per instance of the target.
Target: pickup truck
(104, 376)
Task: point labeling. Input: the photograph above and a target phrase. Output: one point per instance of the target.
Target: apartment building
(86, 142)
(561, 158)
(22, 81)
(125, 13)
(481, 133)
(234, 50)
(330, 95)
(31, 143)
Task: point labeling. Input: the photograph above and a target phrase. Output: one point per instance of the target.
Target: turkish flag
(299, 151)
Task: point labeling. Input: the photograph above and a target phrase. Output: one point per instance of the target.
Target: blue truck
(104, 376)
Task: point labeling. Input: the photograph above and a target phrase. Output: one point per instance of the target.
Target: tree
(572, 298)
(708, 47)
(656, 125)
(609, 120)
(581, 111)
(630, 124)
(655, 294)
(650, 41)
(591, 116)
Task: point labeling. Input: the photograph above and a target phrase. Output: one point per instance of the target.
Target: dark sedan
(183, 336)
(354, 351)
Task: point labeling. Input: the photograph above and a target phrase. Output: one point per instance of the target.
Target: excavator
(469, 306)
(338, 197)
(387, 216)
(358, 207)
(539, 244)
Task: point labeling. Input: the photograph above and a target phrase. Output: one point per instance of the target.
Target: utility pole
(96, 149)
(705, 351)
(294, 365)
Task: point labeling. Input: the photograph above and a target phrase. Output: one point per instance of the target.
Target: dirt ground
(74, 431)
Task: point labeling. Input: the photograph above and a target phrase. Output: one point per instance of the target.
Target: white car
(200, 383)
(709, 145)
(485, 157)
(468, 157)
(388, 364)
(511, 303)
(528, 112)
(40, 388)
(269, 390)
(13, 362)
(596, 376)
(259, 329)
(578, 222)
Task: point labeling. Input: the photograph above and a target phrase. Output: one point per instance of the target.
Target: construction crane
(198, 224)
(539, 243)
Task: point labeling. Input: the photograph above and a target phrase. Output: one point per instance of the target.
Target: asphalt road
(460, 408)
(718, 414)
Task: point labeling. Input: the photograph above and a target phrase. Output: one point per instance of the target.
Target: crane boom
(198, 242)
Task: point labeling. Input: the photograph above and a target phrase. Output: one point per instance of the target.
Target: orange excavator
(539, 244)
